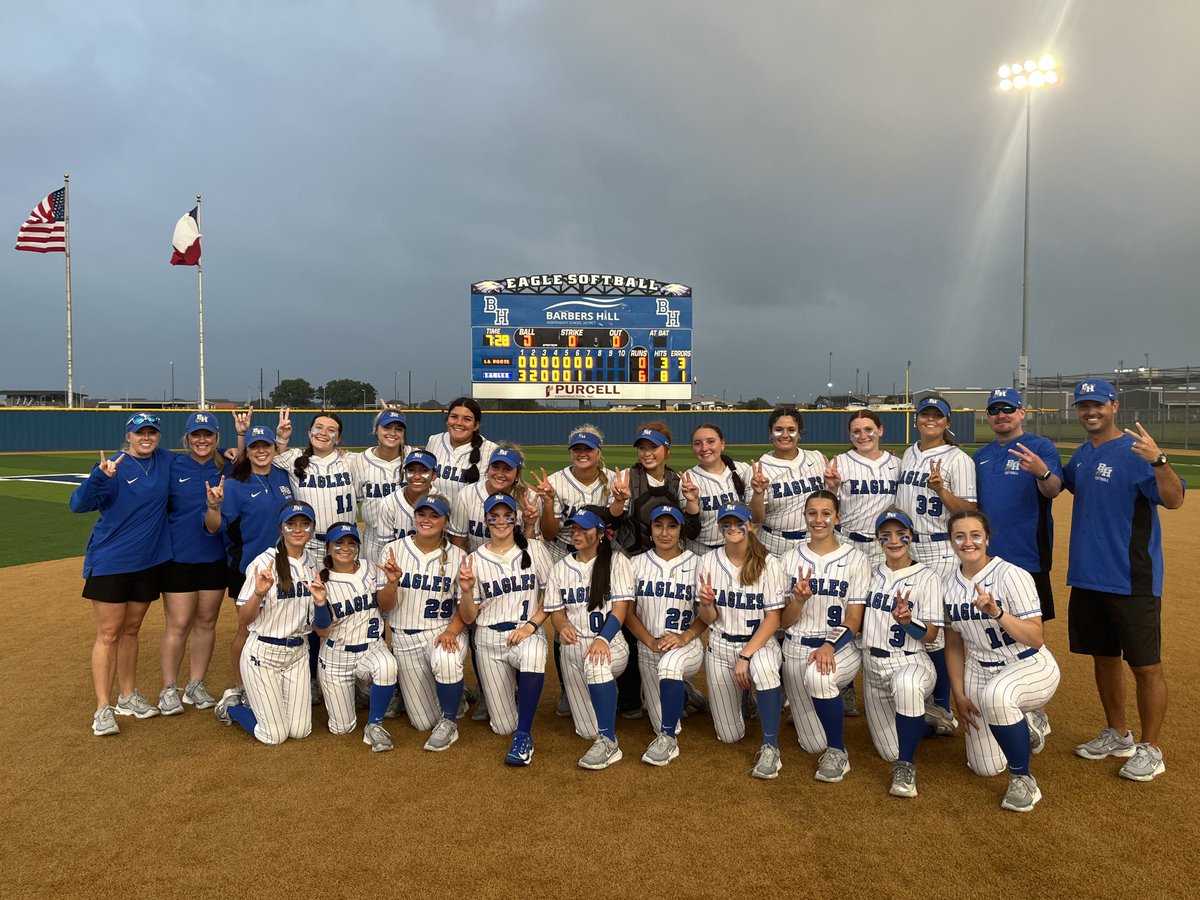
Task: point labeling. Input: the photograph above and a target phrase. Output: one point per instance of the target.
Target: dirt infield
(184, 807)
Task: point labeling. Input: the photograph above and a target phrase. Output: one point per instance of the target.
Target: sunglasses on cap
(137, 421)
(1007, 408)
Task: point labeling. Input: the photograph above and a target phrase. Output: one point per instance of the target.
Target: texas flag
(186, 240)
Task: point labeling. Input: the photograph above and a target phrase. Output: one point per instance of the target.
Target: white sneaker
(1107, 743)
(444, 734)
(1146, 765)
(135, 705)
(1022, 795)
(767, 763)
(602, 754)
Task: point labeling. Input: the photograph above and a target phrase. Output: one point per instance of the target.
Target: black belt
(736, 638)
(884, 654)
(790, 535)
(506, 626)
(807, 641)
(861, 538)
(414, 630)
(1024, 654)
(282, 642)
(349, 648)
(917, 538)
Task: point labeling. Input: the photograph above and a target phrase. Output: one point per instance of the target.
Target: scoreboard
(581, 336)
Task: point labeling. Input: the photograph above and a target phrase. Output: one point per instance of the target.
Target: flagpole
(200, 293)
(70, 404)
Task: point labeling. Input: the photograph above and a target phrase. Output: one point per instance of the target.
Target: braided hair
(739, 484)
(471, 473)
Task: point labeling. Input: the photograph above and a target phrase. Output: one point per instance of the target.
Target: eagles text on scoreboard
(581, 336)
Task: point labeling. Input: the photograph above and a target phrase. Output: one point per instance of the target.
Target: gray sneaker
(941, 720)
(168, 701)
(767, 763)
(661, 751)
(602, 755)
(1107, 743)
(1022, 795)
(563, 710)
(832, 766)
(696, 701)
(378, 739)
(1147, 763)
(395, 706)
(105, 722)
(463, 707)
(197, 695)
(1042, 721)
(232, 697)
(850, 701)
(481, 710)
(904, 779)
(1039, 727)
(444, 734)
(135, 705)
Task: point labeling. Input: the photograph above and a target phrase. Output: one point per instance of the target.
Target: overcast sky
(827, 176)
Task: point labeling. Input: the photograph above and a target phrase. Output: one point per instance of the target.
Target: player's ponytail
(523, 542)
(755, 562)
(300, 466)
(328, 566)
(470, 475)
(283, 570)
(601, 573)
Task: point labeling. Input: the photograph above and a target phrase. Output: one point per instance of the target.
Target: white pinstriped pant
(724, 696)
(1004, 694)
(279, 689)
(421, 665)
(802, 682)
(578, 672)
(498, 667)
(339, 669)
(678, 664)
(891, 685)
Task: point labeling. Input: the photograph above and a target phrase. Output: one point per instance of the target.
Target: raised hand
(689, 489)
(620, 485)
(215, 494)
(241, 420)
(759, 482)
(543, 488)
(901, 611)
(1143, 445)
(391, 569)
(1030, 461)
(319, 592)
(283, 430)
(529, 508)
(264, 580)
(833, 478)
(802, 589)
(109, 466)
(707, 595)
(936, 483)
(985, 602)
(466, 576)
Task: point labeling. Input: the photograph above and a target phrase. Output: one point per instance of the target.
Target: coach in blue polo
(1016, 477)
(1115, 571)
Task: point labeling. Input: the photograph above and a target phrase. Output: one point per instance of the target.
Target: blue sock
(1014, 741)
(381, 696)
(604, 702)
(314, 650)
(244, 716)
(941, 687)
(909, 731)
(673, 695)
(770, 709)
(529, 692)
(831, 713)
(449, 698)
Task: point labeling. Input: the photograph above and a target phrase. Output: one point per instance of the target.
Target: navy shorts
(126, 587)
(1101, 624)
(186, 578)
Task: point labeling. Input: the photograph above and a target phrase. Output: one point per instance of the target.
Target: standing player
(665, 622)
(823, 613)
(993, 619)
(585, 482)
(783, 479)
(902, 601)
(741, 593)
(864, 478)
(350, 595)
(460, 450)
(467, 527)
(396, 512)
(718, 478)
(502, 584)
(377, 473)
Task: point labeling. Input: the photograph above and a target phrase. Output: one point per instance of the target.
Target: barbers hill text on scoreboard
(581, 336)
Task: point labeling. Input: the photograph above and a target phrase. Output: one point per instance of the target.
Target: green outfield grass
(40, 526)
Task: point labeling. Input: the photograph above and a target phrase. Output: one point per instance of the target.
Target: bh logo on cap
(297, 508)
(258, 431)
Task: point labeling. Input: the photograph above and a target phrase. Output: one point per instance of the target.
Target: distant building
(24, 397)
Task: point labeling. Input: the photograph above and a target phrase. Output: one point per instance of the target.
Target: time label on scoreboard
(581, 335)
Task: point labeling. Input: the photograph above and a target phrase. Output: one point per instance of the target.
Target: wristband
(612, 626)
(916, 628)
(1045, 477)
(743, 656)
(533, 624)
(839, 637)
(996, 617)
(322, 618)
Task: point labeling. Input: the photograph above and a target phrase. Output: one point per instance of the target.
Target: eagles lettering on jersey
(796, 487)
(965, 612)
(716, 501)
(873, 486)
(419, 581)
(671, 590)
(509, 585)
(575, 594)
(827, 587)
(359, 603)
(882, 600)
(740, 599)
(918, 479)
(448, 472)
(337, 479)
(299, 589)
(374, 491)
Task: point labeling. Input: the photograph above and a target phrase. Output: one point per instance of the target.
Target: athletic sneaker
(1147, 763)
(1107, 743)
(602, 755)
(317, 697)
(395, 706)
(1022, 795)
(463, 707)
(850, 701)
(661, 751)
(634, 712)
(563, 710)
(104, 722)
(470, 694)
(767, 763)
(481, 710)
(696, 701)
(521, 751)
(444, 734)
(1042, 721)
(1039, 727)
(168, 701)
(378, 739)
(135, 705)
(232, 697)
(832, 766)
(904, 779)
(198, 696)
(938, 718)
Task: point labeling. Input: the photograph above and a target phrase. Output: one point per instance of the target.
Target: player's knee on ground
(447, 667)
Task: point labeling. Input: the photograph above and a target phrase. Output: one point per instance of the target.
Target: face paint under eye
(782, 432)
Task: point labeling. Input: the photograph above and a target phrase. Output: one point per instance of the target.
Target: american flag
(44, 231)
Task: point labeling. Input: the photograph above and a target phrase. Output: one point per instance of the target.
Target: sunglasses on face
(143, 419)
(1007, 408)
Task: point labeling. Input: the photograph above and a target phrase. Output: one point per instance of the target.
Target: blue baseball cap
(421, 458)
(654, 436)
(260, 434)
(894, 515)
(1006, 395)
(387, 417)
(1095, 389)
(587, 438)
(201, 421)
(292, 510)
(436, 503)
(738, 510)
(585, 518)
(143, 420)
(500, 500)
(934, 403)
(508, 456)
(667, 510)
(339, 530)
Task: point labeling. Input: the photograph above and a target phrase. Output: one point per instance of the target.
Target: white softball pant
(338, 669)
(421, 665)
(896, 683)
(802, 682)
(679, 664)
(724, 696)
(1004, 694)
(278, 687)
(498, 667)
(578, 672)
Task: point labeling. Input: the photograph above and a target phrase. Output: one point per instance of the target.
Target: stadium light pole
(1027, 77)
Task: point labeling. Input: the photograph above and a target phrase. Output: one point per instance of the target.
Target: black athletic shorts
(185, 578)
(126, 587)
(1045, 594)
(1101, 624)
(234, 581)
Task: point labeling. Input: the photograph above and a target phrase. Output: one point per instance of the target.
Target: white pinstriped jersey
(924, 590)
(395, 519)
(740, 607)
(1014, 591)
(467, 516)
(375, 480)
(428, 590)
(838, 578)
(326, 485)
(928, 513)
(569, 587)
(570, 494)
(281, 615)
(715, 492)
(453, 461)
(504, 592)
(792, 480)
(354, 604)
(665, 591)
(868, 488)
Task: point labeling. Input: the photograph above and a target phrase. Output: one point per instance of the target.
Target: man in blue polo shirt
(1016, 477)
(1116, 570)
